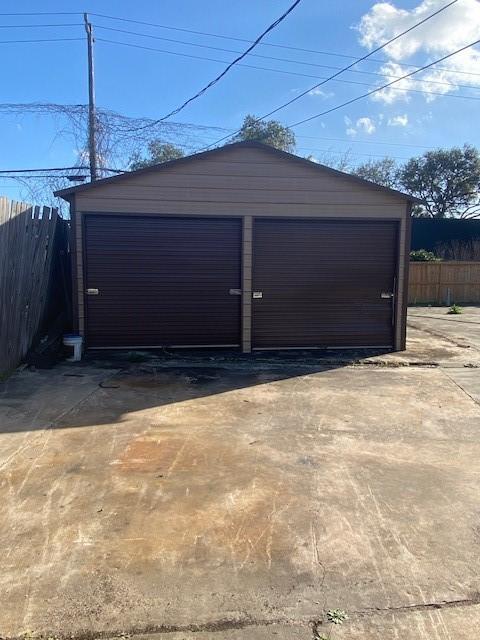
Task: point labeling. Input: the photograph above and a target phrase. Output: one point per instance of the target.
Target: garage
(244, 246)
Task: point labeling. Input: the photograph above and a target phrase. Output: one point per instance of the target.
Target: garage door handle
(256, 295)
(235, 292)
(387, 294)
(92, 292)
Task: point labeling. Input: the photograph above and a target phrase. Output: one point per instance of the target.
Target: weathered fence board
(444, 283)
(26, 247)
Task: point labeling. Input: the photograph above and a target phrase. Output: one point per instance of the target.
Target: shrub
(422, 255)
(455, 309)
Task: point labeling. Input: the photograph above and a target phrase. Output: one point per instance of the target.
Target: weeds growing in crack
(333, 617)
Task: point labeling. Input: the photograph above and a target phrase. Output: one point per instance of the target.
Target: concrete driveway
(201, 497)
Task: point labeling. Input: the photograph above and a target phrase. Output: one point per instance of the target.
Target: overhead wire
(40, 40)
(276, 59)
(44, 13)
(282, 71)
(349, 152)
(375, 142)
(27, 26)
(37, 170)
(215, 80)
(263, 44)
(385, 86)
(219, 35)
(348, 67)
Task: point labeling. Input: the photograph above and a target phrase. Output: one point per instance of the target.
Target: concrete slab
(252, 632)
(462, 330)
(468, 380)
(439, 623)
(230, 500)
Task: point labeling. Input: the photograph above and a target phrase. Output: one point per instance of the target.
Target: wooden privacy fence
(444, 283)
(27, 237)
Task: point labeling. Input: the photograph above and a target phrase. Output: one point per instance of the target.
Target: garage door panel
(162, 281)
(322, 282)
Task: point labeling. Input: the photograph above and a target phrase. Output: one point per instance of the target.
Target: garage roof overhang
(66, 194)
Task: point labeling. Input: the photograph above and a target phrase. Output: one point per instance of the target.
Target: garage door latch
(92, 292)
(387, 294)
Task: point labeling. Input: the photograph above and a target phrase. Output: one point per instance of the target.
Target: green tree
(269, 132)
(447, 179)
(384, 172)
(158, 152)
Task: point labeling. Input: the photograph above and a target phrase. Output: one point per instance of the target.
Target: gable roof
(66, 193)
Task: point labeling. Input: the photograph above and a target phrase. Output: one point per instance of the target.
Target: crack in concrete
(227, 624)
(426, 606)
(439, 334)
(461, 388)
(407, 608)
(221, 625)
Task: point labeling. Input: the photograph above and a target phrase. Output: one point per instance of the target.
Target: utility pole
(92, 120)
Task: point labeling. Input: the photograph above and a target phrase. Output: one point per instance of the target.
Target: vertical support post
(92, 137)
(247, 236)
(402, 282)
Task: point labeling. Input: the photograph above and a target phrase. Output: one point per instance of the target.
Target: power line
(230, 65)
(53, 175)
(276, 59)
(348, 152)
(2, 171)
(27, 26)
(40, 40)
(335, 75)
(282, 71)
(45, 13)
(263, 44)
(375, 142)
(209, 34)
(385, 86)
(7, 107)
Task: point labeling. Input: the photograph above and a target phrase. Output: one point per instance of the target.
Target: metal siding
(321, 283)
(162, 281)
(242, 181)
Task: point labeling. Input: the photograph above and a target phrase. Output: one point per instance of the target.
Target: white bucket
(75, 341)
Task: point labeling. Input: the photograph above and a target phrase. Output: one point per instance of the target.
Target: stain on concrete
(255, 497)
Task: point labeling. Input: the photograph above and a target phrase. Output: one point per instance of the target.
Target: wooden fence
(27, 238)
(444, 283)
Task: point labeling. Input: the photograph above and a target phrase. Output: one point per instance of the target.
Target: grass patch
(455, 309)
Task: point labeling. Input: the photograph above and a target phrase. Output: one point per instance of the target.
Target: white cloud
(452, 29)
(398, 91)
(366, 125)
(362, 125)
(321, 93)
(398, 121)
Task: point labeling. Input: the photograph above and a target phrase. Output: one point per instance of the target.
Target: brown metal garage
(241, 246)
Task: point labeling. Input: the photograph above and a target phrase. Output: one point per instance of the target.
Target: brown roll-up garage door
(162, 281)
(322, 282)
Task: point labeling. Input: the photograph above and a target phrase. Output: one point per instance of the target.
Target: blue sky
(143, 83)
